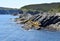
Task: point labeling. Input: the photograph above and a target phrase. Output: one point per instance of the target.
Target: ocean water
(10, 31)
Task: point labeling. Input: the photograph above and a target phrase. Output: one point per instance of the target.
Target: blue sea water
(10, 31)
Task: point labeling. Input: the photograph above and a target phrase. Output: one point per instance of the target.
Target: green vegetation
(51, 7)
(5, 10)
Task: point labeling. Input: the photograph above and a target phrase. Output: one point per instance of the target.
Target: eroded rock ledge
(45, 20)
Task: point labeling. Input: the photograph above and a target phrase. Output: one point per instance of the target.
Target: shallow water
(10, 31)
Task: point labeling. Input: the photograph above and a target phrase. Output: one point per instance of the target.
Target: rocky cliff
(47, 20)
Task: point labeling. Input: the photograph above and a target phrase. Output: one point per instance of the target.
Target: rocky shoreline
(45, 20)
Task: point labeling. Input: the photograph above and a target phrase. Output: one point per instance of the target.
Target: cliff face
(43, 20)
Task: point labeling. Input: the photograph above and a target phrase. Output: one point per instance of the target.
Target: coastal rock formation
(44, 20)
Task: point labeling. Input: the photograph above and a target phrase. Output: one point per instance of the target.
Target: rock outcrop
(47, 20)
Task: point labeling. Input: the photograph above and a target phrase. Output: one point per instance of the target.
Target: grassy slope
(51, 7)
